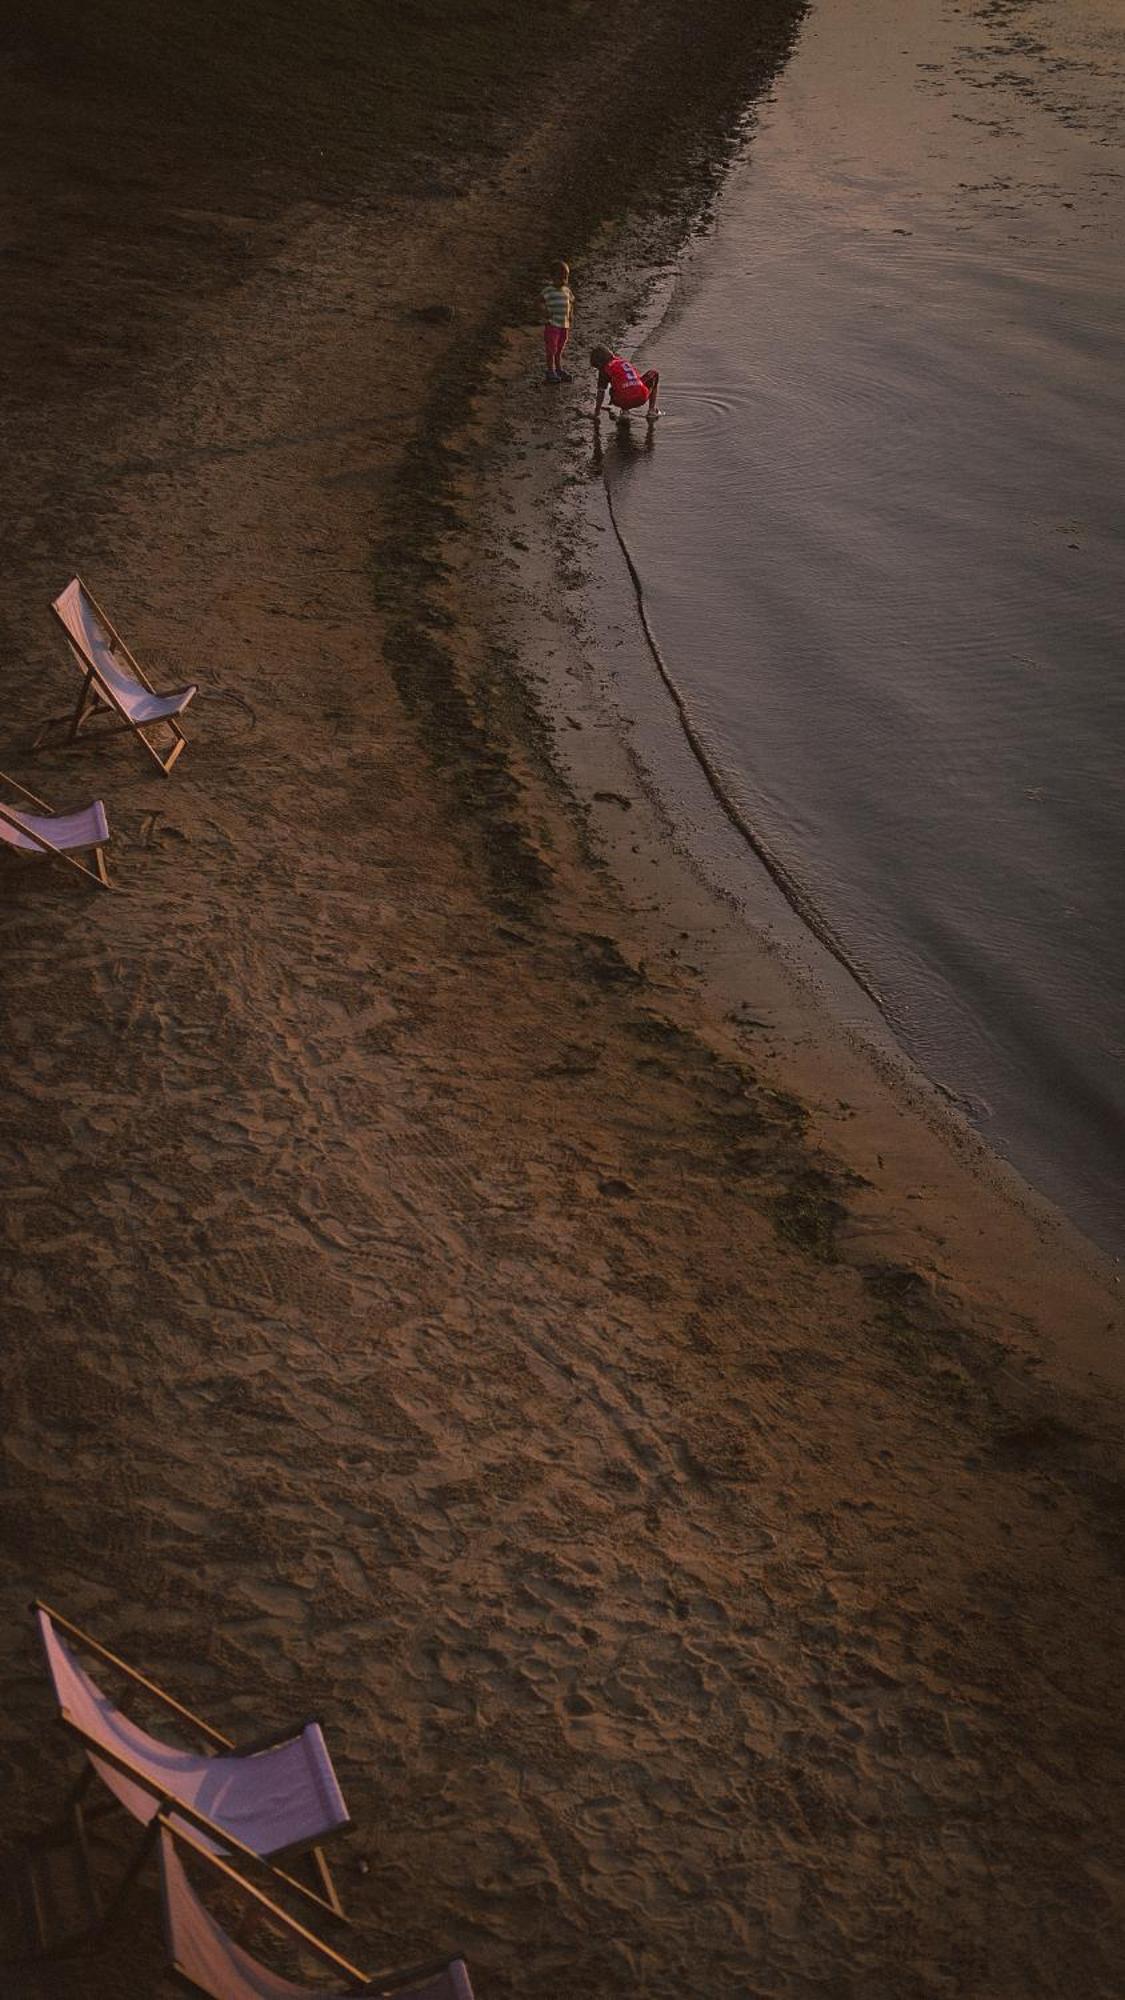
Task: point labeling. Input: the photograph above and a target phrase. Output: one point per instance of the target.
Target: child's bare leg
(651, 380)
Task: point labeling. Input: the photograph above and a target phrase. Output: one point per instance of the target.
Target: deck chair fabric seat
(205, 1954)
(56, 836)
(285, 1797)
(32, 832)
(113, 677)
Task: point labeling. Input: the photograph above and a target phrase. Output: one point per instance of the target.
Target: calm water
(879, 538)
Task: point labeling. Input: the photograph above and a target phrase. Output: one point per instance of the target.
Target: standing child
(558, 310)
(626, 389)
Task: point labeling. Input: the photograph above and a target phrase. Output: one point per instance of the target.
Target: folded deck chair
(113, 680)
(274, 1798)
(204, 1954)
(57, 836)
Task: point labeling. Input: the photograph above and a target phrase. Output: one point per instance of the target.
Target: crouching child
(626, 389)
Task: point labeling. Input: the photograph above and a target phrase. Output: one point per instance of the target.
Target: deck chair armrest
(25, 794)
(212, 1736)
(312, 1842)
(273, 1737)
(326, 1952)
(393, 1981)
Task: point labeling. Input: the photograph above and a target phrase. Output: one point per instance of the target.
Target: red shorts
(555, 339)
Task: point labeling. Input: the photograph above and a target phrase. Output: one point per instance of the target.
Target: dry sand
(420, 1310)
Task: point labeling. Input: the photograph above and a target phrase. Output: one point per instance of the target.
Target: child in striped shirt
(558, 307)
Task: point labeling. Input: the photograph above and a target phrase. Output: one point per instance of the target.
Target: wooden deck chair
(278, 1797)
(56, 836)
(113, 680)
(205, 1955)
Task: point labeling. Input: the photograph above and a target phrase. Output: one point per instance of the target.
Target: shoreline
(1016, 1038)
(828, 1043)
(424, 1309)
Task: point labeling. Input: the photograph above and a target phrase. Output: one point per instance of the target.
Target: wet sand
(422, 1308)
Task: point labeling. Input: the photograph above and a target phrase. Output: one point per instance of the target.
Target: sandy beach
(682, 1474)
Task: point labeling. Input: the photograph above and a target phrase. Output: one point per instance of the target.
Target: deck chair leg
(120, 1895)
(322, 1874)
(38, 1913)
(180, 744)
(87, 702)
(163, 764)
(78, 1819)
(75, 1796)
(96, 873)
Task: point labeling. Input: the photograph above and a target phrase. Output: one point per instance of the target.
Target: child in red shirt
(626, 389)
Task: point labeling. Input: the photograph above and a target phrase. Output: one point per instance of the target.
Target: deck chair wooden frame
(98, 695)
(79, 1818)
(358, 1982)
(9, 817)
